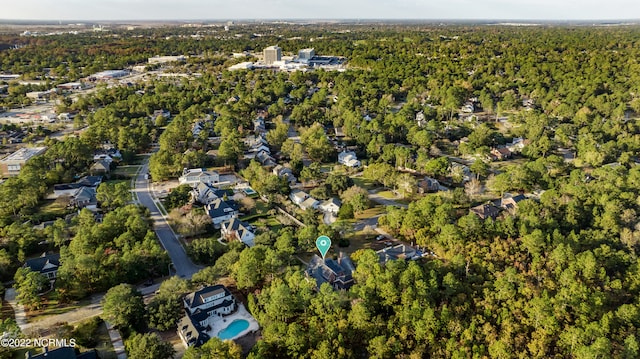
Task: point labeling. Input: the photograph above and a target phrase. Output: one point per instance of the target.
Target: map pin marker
(323, 243)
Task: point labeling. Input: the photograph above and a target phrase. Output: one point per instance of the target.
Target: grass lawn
(51, 306)
(53, 208)
(128, 171)
(371, 212)
(387, 194)
(364, 183)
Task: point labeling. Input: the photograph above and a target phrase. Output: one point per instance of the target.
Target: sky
(319, 9)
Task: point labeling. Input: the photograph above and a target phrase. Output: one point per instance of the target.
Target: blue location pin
(323, 243)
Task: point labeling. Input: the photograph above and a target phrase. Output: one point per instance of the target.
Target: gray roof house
(202, 308)
(46, 264)
(221, 211)
(239, 230)
(338, 273)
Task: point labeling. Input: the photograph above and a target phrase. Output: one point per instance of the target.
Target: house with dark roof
(428, 184)
(90, 181)
(510, 202)
(62, 353)
(202, 308)
(501, 153)
(485, 211)
(46, 264)
(397, 252)
(338, 273)
(191, 333)
(221, 211)
(84, 197)
(236, 229)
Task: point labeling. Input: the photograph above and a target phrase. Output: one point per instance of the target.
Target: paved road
(375, 197)
(182, 263)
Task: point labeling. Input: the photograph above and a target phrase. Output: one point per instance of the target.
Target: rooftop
(24, 154)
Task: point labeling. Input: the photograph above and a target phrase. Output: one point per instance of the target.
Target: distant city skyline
(65, 10)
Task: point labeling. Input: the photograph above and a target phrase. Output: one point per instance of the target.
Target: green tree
(112, 195)
(357, 197)
(28, 285)
(215, 348)
(148, 346)
(178, 197)
(123, 308)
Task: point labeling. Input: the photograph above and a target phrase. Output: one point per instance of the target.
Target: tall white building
(272, 54)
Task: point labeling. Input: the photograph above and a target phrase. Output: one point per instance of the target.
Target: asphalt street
(183, 265)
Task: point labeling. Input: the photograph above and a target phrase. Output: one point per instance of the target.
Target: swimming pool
(233, 329)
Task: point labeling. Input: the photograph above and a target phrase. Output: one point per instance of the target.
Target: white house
(203, 307)
(310, 202)
(331, 205)
(220, 211)
(205, 193)
(348, 158)
(297, 196)
(239, 230)
(285, 173)
(196, 175)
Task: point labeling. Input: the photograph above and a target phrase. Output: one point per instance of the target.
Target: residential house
(265, 159)
(191, 333)
(62, 353)
(70, 189)
(501, 153)
(285, 173)
(485, 211)
(205, 193)
(338, 273)
(202, 308)
(46, 264)
(468, 107)
(259, 126)
(65, 189)
(332, 205)
(310, 202)
(516, 145)
(297, 196)
(196, 129)
(348, 158)
(221, 211)
(510, 202)
(339, 131)
(13, 163)
(420, 119)
(100, 167)
(238, 230)
(197, 175)
(84, 197)
(103, 157)
(397, 252)
(164, 113)
(428, 184)
(90, 181)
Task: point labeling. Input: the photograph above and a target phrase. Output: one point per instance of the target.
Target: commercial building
(305, 55)
(166, 59)
(12, 164)
(272, 54)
